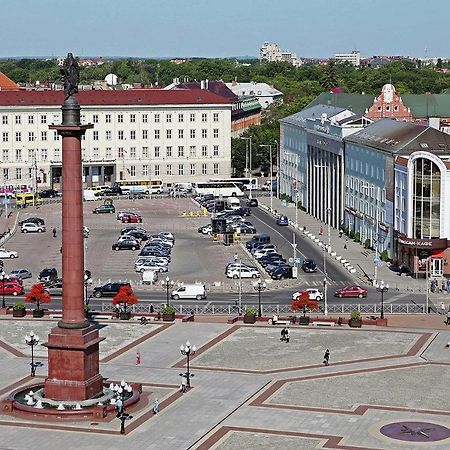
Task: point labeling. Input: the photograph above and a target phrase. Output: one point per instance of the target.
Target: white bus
(247, 183)
(141, 186)
(218, 188)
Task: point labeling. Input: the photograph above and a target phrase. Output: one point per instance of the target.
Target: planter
(38, 313)
(355, 323)
(381, 322)
(168, 317)
(250, 319)
(19, 312)
(303, 320)
(125, 315)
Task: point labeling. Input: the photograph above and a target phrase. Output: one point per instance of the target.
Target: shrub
(168, 309)
(303, 302)
(250, 311)
(384, 256)
(367, 243)
(38, 295)
(357, 237)
(125, 297)
(355, 315)
(18, 306)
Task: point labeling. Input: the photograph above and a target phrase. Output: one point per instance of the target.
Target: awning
(438, 254)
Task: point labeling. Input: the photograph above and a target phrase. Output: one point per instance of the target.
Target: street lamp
(32, 340)
(236, 259)
(250, 163)
(3, 278)
(382, 287)
(188, 350)
(121, 391)
(167, 283)
(271, 173)
(259, 286)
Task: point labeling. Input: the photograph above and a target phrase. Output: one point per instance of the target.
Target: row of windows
(32, 136)
(144, 118)
(387, 108)
(365, 207)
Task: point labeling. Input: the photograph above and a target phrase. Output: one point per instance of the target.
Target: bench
(100, 317)
(279, 322)
(55, 316)
(188, 318)
(232, 319)
(323, 324)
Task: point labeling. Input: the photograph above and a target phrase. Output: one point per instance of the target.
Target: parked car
(104, 209)
(8, 254)
(243, 211)
(150, 265)
(137, 235)
(206, 229)
(243, 272)
(131, 218)
(154, 252)
(271, 261)
(36, 220)
(168, 235)
(13, 279)
(351, 291)
(120, 214)
(48, 275)
(48, 193)
(281, 272)
(197, 291)
(55, 288)
(243, 228)
(257, 247)
(132, 228)
(252, 202)
(263, 252)
(30, 227)
(309, 266)
(283, 221)
(155, 260)
(257, 239)
(235, 266)
(21, 273)
(108, 289)
(314, 294)
(126, 244)
(11, 289)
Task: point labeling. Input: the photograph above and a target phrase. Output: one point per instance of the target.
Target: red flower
(38, 295)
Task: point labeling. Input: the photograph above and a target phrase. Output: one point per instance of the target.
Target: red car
(10, 289)
(13, 280)
(131, 218)
(351, 291)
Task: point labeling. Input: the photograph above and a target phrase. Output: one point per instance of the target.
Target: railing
(268, 309)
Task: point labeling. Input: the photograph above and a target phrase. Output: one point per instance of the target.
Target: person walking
(326, 357)
(138, 359)
(156, 407)
(54, 232)
(447, 322)
(287, 336)
(183, 386)
(341, 232)
(442, 308)
(283, 334)
(345, 245)
(320, 230)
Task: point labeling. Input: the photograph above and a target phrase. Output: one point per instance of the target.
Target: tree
(38, 295)
(125, 297)
(329, 77)
(303, 302)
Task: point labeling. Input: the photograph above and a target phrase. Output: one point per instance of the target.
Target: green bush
(367, 243)
(169, 310)
(355, 315)
(19, 305)
(250, 311)
(384, 256)
(357, 237)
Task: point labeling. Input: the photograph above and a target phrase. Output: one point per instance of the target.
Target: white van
(149, 277)
(197, 291)
(89, 194)
(233, 203)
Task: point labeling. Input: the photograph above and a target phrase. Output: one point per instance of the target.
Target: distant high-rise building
(270, 52)
(354, 57)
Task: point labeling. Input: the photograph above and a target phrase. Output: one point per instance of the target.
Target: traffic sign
(376, 260)
(297, 260)
(380, 263)
(291, 260)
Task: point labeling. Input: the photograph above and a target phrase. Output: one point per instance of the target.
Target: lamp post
(382, 287)
(167, 283)
(271, 173)
(249, 164)
(188, 350)
(122, 391)
(259, 286)
(32, 340)
(240, 282)
(3, 278)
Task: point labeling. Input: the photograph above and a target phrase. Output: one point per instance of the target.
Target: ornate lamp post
(122, 391)
(32, 340)
(382, 287)
(167, 283)
(259, 286)
(188, 350)
(3, 278)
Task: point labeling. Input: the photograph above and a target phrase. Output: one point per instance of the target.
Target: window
(120, 135)
(156, 134)
(169, 118)
(133, 152)
(31, 136)
(43, 119)
(109, 135)
(18, 120)
(133, 171)
(192, 117)
(157, 152)
(216, 133)
(180, 134)
(43, 135)
(204, 117)
(5, 136)
(132, 118)
(95, 136)
(145, 152)
(180, 169)
(395, 108)
(204, 133)
(388, 108)
(192, 169)
(18, 173)
(157, 119)
(157, 171)
(95, 118)
(18, 155)
(192, 134)
(216, 150)
(180, 118)
(95, 152)
(144, 134)
(120, 152)
(180, 151)
(18, 136)
(168, 152)
(204, 169)
(57, 154)
(204, 151)
(145, 170)
(132, 135)
(168, 134)
(145, 120)
(169, 169)
(192, 151)
(108, 118)
(44, 154)
(108, 152)
(5, 155)
(215, 117)
(55, 136)
(4, 120)
(30, 120)
(30, 155)
(119, 118)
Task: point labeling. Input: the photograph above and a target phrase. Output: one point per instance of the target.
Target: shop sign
(423, 243)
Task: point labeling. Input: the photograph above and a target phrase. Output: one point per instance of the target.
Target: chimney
(202, 84)
(234, 83)
(206, 84)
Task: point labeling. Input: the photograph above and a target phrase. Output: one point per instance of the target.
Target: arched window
(426, 199)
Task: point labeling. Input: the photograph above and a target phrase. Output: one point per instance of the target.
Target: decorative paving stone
(415, 431)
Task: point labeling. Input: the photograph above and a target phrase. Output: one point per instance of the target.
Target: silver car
(21, 273)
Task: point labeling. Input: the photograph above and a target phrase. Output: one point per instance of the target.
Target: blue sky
(150, 28)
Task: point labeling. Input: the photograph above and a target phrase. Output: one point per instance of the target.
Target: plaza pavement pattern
(250, 390)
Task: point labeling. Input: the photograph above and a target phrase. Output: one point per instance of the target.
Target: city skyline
(150, 29)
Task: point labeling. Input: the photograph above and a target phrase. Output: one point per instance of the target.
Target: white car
(155, 261)
(150, 265)
(265, 251)
(8, 254)
(244, 272)
(166, 242)
(314, 294)
(168, 235)
(30, 227)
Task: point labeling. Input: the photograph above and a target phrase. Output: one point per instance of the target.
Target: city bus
(247, 183)
(218, 188)
(11, 190)
(140, 186)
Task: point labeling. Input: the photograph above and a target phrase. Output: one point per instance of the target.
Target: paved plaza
(249, 389)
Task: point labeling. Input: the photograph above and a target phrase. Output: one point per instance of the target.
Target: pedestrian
(443, 286)
(54, 232)
(138, 359)
(345, 245)
(448, 317)
(442, 308)
(287, 335)
(156, 407)
(320, 230)
(326, 357)
(448, 286)
(341, 232)
(119, 407)
(340, 321)
(183, 386)
(283, 334)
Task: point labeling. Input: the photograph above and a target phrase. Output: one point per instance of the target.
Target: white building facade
(354, 57)
(138, 134)
(270, 52)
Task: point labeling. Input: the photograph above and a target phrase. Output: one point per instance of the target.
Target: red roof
(7, 84)
(127, 97)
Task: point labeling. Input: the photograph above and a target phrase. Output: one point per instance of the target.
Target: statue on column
(71, 75)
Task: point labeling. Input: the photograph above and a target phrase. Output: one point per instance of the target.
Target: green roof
(358, 103)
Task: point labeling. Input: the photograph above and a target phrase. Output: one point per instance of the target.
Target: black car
(281, 273)
(126, 230)
(137, 234)
(309, 266)
(36, 220)
(48, 275)
(252, 202)
(243, 211)
(157, 248)
(270, 259)
(276, 264)
(48, 193)
(152, 251)
(109, 289)
(126, 244)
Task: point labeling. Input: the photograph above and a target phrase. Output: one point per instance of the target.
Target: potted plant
(355, 319)
(168, 313)
(250, 315)
(38, 295)
(125, 297)
(87, 311)
(303, 302)
(19, 309)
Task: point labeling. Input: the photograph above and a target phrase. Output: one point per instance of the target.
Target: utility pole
(271, 173)
(249, 171)
(377, 214)
(34, 173)
(427, 285)
(294, 247)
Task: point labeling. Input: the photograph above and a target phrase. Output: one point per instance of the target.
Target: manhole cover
(415, 431)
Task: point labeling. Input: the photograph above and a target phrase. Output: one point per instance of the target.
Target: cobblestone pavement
(288, 400)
